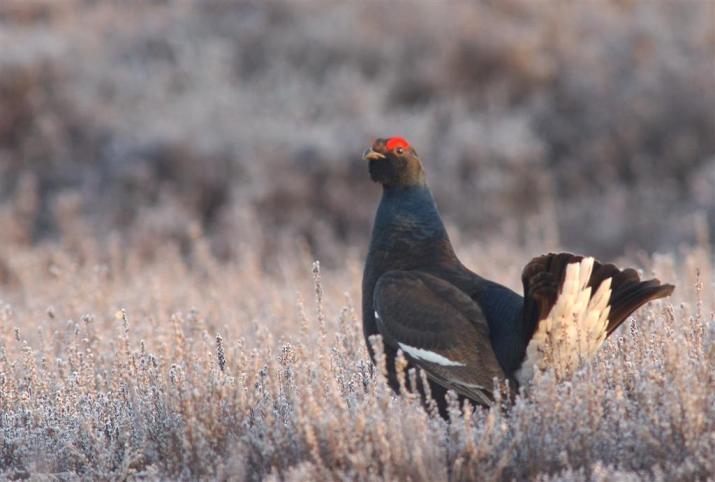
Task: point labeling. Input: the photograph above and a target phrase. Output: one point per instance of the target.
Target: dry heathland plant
(115, 367)
(157, 162)
(529, 107)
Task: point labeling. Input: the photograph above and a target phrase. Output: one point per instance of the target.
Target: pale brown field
(170, 170)
(114, 367)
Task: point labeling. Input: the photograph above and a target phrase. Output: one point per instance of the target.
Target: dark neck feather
(408, 234)
(408, 222)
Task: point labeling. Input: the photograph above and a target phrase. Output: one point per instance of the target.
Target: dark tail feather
(543, 276)
(627, 296)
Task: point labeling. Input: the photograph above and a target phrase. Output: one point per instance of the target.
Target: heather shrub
(598, 113)
(170, 170)
(191, 368)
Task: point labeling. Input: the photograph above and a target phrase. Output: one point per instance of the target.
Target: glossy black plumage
(463, 330)
(441, 327)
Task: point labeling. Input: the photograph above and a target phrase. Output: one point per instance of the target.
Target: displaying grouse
(461, 329)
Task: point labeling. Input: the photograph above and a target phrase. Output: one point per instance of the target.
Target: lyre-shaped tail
(572, 304)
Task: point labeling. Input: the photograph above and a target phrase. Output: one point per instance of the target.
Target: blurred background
(587, 125)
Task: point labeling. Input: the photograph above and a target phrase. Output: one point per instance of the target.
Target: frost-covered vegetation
(576, 113)
(112, 367)
(170, 170)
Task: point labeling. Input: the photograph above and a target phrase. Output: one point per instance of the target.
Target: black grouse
(463, 330)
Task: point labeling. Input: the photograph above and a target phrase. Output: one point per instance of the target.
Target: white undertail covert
(573, 330)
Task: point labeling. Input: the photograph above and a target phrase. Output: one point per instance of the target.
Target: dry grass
(112, 367)
(169, 171)
(528, 107)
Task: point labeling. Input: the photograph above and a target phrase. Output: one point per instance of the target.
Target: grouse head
(394, 163)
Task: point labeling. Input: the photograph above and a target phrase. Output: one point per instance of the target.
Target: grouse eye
(400, 151)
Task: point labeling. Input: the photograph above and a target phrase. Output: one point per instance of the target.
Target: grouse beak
(371, 155)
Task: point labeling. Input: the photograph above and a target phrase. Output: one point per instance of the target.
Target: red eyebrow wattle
(395, 142)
